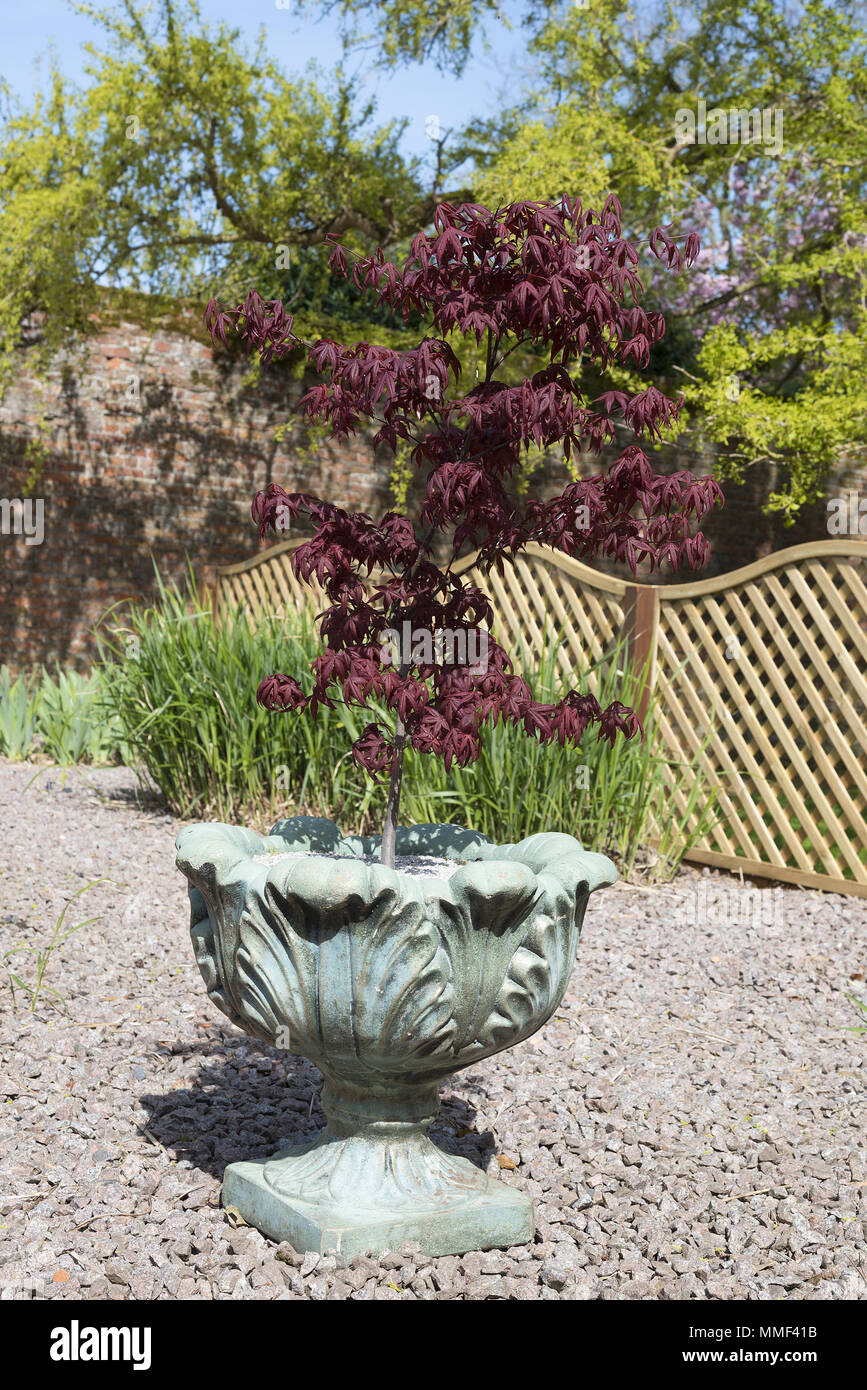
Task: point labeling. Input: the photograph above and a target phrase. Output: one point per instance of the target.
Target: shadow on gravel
(100, 782)
(142, 797)
(251, 1107)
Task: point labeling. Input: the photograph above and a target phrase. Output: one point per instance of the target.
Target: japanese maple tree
(555, 280)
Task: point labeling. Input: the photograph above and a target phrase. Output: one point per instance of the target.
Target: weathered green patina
(388, 982)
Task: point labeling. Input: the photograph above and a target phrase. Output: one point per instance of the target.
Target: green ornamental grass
(181, 684)
(62, 717)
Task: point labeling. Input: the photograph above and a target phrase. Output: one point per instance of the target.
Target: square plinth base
(498, 1217)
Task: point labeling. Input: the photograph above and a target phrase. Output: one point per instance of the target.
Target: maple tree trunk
(392, 807)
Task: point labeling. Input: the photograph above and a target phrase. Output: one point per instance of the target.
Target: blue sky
(292, 40)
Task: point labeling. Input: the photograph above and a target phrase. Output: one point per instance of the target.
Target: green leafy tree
(186, 165)
(399, 31)
(768, 339)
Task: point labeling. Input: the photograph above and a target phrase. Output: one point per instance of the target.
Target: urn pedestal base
(370, 1181)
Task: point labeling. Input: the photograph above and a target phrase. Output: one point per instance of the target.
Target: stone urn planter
(388, 980)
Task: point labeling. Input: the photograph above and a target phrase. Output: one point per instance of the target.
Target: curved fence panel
(759, 677)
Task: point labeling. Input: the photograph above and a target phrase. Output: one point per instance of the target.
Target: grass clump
(181, 687)
(61, 717)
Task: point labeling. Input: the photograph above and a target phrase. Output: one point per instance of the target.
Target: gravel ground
(691, 1124)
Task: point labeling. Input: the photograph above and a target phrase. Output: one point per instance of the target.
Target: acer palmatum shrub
(552, 280)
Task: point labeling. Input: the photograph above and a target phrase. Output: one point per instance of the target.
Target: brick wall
(155, 448)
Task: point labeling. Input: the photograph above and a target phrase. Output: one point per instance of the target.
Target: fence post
(640, 630)
(208, 585)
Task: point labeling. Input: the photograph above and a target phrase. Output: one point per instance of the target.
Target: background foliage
(188, 164)
(62, 717)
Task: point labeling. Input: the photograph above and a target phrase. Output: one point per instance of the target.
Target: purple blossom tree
(552, 280)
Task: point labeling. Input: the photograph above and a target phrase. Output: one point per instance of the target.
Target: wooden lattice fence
(760, 676)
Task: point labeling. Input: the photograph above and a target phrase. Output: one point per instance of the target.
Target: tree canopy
(768, 333)
(186, 165)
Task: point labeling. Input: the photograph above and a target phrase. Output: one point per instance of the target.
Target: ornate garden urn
(388, 980)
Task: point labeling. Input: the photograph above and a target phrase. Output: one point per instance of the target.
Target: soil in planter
(413, 865)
